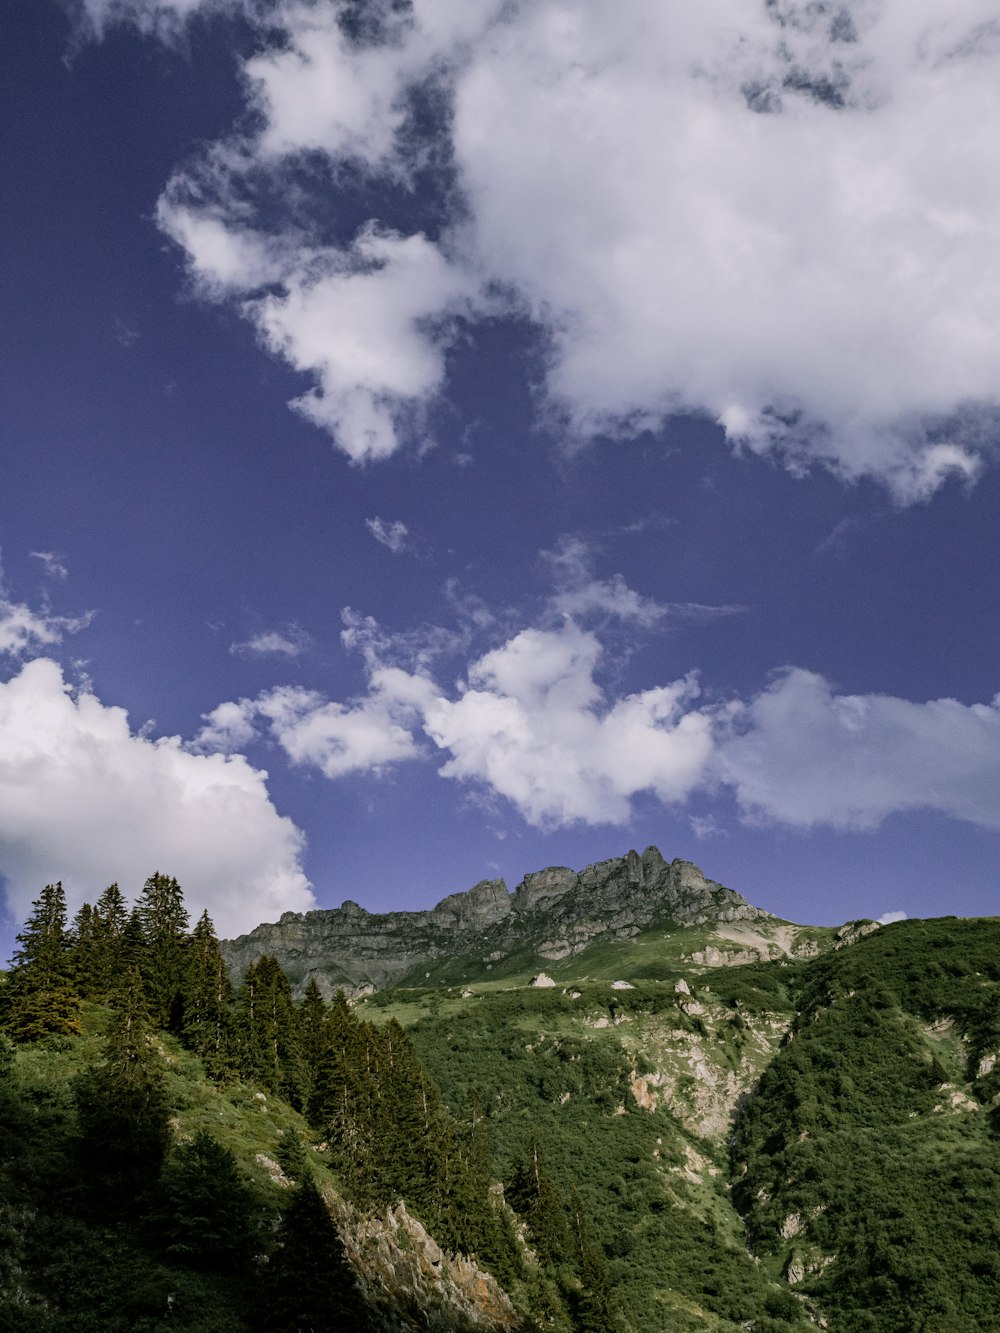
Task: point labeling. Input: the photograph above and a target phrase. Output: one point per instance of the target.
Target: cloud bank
(531, 721)
(782, 215)
(86, 800)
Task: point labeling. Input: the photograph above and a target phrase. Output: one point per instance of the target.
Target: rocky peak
(552, 913)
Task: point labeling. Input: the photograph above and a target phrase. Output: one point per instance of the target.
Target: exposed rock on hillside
(411, 1281)
(553, 914)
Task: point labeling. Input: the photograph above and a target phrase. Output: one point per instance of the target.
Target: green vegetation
(753, 1147)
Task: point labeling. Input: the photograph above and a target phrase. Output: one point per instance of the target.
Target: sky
(439, 441)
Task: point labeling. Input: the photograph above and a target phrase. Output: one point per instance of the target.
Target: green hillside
(645, 1139)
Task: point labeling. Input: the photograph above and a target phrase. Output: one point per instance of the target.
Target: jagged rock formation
(552, 914)
(411, 1282)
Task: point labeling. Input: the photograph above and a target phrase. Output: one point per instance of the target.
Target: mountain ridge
(553, 914)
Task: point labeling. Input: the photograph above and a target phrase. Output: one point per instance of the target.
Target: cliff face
(553, 913)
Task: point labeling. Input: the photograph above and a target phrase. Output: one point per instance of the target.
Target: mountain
(553, 915)
(615, 1101)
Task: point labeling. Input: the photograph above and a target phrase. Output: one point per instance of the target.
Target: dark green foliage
(122, 1106)
(899, 1196)
(310, 1286)
(265, 1032)
(536, 1197)
(163, 918)
(110, 959)
(42, 999)
(207, 1000)
(205, 1212)
(292, 1156)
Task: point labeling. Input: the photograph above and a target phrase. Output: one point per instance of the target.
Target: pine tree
(82, 940)
(110, 953)
(310, 1286)
(590, 1306)
(122, 1103)
(163, 917)
(535, 1195)
(205, 1214)
(314, 1034)
(266, 1031)
(207, 999)
(44, 1001)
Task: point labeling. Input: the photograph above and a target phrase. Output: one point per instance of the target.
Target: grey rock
(552, 914)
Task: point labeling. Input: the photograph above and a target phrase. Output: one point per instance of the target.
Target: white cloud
(53, 564)
(86, 800)
(887, 918)
(292, 642)
(366, 735)
(394, 535)
(534, 726)
(802, 755)
(531, 722)
(23, 630)
(785, 216)
(579, 594)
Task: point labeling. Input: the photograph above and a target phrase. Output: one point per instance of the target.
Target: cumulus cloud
(86, 800)
(803, 755)
(394, 535)
(784, 216)
(529, 723)
(290, 642)
(533, 722)
(535, 726)
(338, 739)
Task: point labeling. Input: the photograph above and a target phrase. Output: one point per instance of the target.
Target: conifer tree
(314, 1034)
(310, 1285)
(43, 1000)
(590, 1305)
(535, 1195)
(163, 917)
(82, 938)
(207, 999)
(266, 1031)
(110, 953)
(122, 1102)
(205, 1213)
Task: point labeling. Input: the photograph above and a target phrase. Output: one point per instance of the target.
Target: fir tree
(266, 1031)
(111, 960)
(314, 1034)
(43, 999)
(82, 941)
(163, 917)
(310, 1285)
(590, 1305)
(122, 1103)
(205, 1215)
(535, 1195)
(207, 999)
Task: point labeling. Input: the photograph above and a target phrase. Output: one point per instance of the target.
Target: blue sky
(440, 441)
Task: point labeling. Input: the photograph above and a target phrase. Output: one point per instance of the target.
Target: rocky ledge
(552, 913)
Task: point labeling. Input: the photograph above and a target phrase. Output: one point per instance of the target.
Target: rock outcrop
(552, 914)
